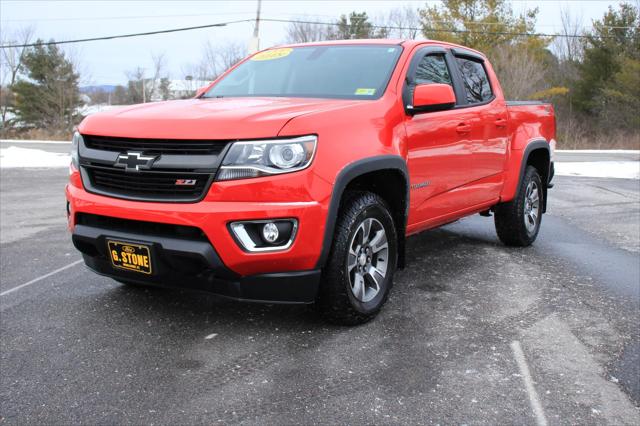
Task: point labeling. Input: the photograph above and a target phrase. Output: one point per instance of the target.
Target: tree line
(592, 75)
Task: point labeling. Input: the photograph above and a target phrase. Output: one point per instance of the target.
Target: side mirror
(432, 97)
(201, 91)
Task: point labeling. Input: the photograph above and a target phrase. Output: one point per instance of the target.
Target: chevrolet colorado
(297, 175)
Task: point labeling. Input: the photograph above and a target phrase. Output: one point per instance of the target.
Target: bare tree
(193, 74)
(230, 54)
(569, 47)
(152, 85)
(10, 64)
(143, 89)
(218, 58)
(136, 92)
(521, 74)
(305, 32)
(403, 22)
(208, 64)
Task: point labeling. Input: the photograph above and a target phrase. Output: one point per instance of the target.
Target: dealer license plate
(129, 256)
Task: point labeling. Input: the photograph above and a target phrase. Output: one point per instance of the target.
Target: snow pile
(32, 141)
(26, 157)
(605, 169)
(597, 151)
(14, 156)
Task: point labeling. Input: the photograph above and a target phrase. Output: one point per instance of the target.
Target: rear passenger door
(489, 140)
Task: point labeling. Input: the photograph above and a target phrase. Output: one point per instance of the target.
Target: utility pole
(254, 44)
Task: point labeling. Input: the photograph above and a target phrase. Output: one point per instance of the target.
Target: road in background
(60, 147)
(79, 348)
(561, 155)
(597, 155)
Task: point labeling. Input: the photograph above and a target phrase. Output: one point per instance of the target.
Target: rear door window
(474, 78)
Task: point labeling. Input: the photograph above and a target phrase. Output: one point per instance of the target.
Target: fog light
(264, 235)
(270, 232)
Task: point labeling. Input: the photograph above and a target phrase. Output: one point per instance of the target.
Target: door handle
(463, 128)
(501, 122)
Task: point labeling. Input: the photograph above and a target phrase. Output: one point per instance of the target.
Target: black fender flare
(348, 174)
(533, 146)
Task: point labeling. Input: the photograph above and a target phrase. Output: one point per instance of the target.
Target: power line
(108, 18)
(222, 24)
(82, 40)
(188, 15)
(443, 30)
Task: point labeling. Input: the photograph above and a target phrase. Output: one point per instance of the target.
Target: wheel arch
(537, 154)
(381, 175)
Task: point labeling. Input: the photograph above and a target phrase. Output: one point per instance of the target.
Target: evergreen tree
(49, 96)
(484, 25)
(518, 55)
(607, 86)
(355, 26)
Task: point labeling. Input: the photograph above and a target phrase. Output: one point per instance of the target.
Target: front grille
(181, 172)
(155, 146)
(148, 183)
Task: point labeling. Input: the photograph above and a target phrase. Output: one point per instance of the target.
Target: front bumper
(193, 264)
(212, 218)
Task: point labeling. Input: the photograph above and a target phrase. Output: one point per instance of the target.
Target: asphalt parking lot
(473, 333)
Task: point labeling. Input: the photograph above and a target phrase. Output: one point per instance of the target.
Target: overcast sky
(105, 62)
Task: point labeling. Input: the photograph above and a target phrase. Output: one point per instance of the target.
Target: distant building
(175, 89)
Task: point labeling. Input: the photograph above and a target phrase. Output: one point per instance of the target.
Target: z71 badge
(186, 182)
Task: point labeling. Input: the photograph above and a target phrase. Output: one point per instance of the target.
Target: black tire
(337, 301)
(514, 223)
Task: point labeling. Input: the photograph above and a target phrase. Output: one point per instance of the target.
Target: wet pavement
(79, 348)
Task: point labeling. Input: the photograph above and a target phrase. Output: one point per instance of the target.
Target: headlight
(250, 159)
(75, 142)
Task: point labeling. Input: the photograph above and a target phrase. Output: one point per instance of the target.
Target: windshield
(347, 71)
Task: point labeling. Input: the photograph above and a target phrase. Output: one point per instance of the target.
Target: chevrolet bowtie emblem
(135, 161)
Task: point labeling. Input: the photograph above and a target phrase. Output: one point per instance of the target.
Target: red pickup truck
(297, 175)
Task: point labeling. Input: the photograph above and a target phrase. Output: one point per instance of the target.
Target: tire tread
(333, 300)
(509, 216)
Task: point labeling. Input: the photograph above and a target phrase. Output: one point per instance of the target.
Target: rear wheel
(359, 271)
(518, 221)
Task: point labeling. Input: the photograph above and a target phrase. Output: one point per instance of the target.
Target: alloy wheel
(531, 207)
(367, 259)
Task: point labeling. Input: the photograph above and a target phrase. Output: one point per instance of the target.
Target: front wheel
(518, 221)
(363, 258)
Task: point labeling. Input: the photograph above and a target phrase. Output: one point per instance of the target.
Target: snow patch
(19, 141)
(598, 151)
(604, 169)
(14, 156)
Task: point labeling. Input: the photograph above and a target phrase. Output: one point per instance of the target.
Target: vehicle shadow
(195, 345)
(439, 255)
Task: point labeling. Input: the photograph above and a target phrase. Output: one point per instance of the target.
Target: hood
(225, 118)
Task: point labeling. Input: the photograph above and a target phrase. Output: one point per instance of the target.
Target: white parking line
(35, 280)
(541, 420)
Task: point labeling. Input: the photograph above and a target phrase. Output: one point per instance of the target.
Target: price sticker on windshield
(269, 55)
(365, 91)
